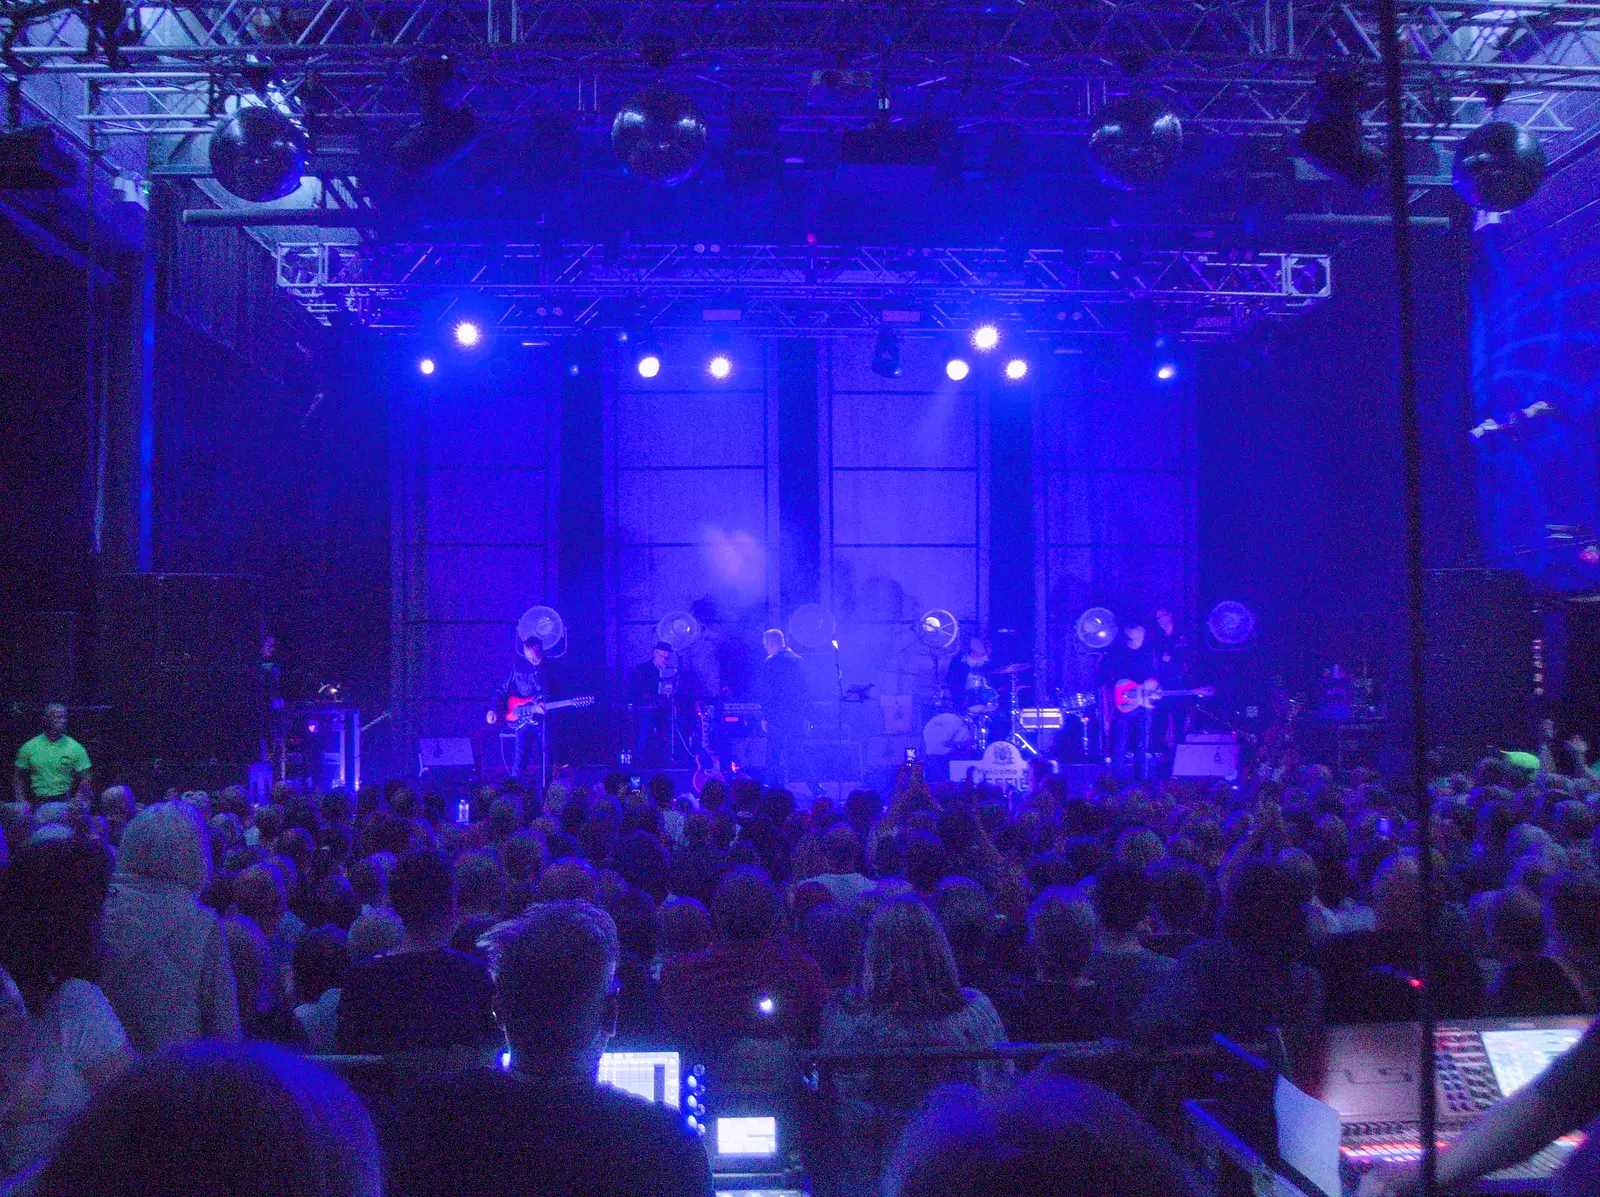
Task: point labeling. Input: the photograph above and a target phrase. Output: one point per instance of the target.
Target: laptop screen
(653, 1076)
(1519, 1056)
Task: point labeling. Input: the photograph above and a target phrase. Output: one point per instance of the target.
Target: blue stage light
(649, 364)
(1166, 371)
(985, 337)
(720, 366)
(468, 335)
(1017, 369)
(426, 365)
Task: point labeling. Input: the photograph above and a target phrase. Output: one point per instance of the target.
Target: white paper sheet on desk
(1308, 1136)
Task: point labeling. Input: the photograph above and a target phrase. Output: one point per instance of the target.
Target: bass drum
(946, 734)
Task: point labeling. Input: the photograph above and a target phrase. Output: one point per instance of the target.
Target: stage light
(1333, 138)
(956, 367)
(648, 364)
(985, 337)
(720, 365)
(1498, 166)
(1017, 369)
(1135, 142)
(886, 355)
(467, 334)
(426, 365)
(258, 154)
(1166, 371)
(659, 136)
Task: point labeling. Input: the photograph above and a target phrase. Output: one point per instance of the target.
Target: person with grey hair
(167, 971)
(546, 1125)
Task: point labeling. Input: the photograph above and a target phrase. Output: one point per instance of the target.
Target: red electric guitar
(520, 710)
(1129, 695)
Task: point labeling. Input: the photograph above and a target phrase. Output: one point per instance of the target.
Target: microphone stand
(838, 674)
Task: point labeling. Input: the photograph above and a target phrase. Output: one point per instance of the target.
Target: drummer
(968, 679)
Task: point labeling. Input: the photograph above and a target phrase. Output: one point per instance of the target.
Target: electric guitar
(520, 710)
(1129, 695)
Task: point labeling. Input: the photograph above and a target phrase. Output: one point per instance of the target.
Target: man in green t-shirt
(52, 765)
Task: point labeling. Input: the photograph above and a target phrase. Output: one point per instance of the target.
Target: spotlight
(1166, 371)
(1135, 142)
(258, 154)
(1016, 369)
(720, 365)
(426, 365)
(1498, 166)
(956, 367)
(985, 337)
(467, 334)
(648, 363)
(659, 136)
(886, 355)
(1333, 139)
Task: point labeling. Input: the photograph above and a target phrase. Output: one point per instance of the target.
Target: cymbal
(1019, 667)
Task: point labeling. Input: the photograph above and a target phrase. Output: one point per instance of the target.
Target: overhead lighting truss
(1225, 65)
(813, 290)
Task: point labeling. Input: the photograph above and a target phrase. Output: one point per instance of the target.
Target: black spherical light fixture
(1135, 142)
(659, 136)
(258, 154)
(1498, 166)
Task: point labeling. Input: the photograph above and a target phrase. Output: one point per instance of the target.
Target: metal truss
(814, 290)
(1227, 65)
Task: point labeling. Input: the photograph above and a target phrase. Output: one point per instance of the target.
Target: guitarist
(530, 677)
(1133, 656)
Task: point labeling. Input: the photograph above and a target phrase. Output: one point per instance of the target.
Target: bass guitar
(520, 710)
(1129, 695)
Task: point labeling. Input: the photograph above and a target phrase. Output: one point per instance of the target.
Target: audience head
(908, 969)
(260, 894)
(422, 893)
(569, 879)
(321, 960)
(1573, 902)
(1061, 928)
(377, 931)
(745, 907)
(554, 974)
(1260, 910)
(1180, 894)
(1046, 1138)
(50, 901)
(1397, 894)
(1514, 924)
(480, 882)
(683, 925)
(248, 1120)
(966, 913)
(841, 850)
(1121, 902)
(167, 842)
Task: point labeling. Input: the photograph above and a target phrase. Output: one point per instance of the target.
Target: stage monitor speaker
(1206, 760)
(179, 658)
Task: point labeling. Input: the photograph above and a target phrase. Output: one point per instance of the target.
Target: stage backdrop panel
(473, 548)
(690, 493)
(1116, 526)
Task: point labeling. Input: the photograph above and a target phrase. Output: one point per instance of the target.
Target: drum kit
(964, 728)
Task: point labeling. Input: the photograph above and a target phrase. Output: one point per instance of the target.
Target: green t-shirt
(52, 765)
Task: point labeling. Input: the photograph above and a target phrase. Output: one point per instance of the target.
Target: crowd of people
(142, 934)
